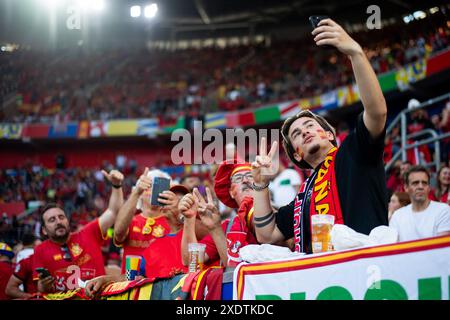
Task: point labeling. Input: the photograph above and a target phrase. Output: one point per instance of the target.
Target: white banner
(417, 270)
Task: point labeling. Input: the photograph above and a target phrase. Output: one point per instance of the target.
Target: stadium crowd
(82, 194)
(138, 83)
(89, 221)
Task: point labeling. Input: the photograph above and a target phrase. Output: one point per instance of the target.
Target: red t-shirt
(24, 271)
(85, 250)
(6, 270)
(163, 257)
(140, 237)
(235, 241)
(211, 249)
(445, 198)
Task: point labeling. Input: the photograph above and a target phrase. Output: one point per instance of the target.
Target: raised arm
(210, 216)
(329, 32)
(108, 217)
(127, 211)
(264, 215)
(188, 209)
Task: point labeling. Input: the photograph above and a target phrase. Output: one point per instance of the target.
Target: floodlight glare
(135, 11)
(98, 5)
(151, 10)
(408, 19)
(434, 10)
(419, 15)
(83, 4)
(51, 3)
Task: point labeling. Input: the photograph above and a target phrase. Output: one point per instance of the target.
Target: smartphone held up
(159, 185)
(314, 20)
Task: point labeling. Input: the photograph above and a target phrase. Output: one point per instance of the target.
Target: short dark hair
(48, 206)
(28, 239)
(287, 145)
(188, 175)
(414, 169)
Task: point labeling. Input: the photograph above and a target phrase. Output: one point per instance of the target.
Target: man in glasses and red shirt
(233, 187)
(70, 257)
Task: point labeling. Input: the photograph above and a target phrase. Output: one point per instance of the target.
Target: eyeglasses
(66, 253)
(239, 177)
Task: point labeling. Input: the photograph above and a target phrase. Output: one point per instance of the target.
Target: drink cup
(321, 232)
(133, 265)
(196, 256)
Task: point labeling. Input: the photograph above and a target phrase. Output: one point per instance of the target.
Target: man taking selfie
(348, 182)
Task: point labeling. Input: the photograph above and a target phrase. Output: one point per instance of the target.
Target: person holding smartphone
(139, 222)
(348, 181)
(162, 257)
(66, 257)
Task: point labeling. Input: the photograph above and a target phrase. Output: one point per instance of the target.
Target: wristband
(259, 188)
(116, 186)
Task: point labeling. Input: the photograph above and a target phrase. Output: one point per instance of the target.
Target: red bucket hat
(179, 188)
(222, 180)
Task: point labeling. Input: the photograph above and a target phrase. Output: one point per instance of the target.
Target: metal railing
(405, 146)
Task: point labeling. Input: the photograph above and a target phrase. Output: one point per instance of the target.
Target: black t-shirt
(361, 185)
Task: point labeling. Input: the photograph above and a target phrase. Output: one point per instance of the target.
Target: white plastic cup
(196, 256)
(321, 232)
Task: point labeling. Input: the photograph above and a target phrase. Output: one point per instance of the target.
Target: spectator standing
(139, 222)
(65, 252)
(21, 284)
(443, 185)
(423, 218)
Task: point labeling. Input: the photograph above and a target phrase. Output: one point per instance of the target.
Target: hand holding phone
(315, 23)
(158, 186)
(316, 19)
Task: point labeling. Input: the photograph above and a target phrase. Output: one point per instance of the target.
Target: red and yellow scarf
(323, 199)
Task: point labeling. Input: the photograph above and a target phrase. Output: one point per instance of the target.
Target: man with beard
(423, 218)
(348, 182)
(70, 257)
(232, 185)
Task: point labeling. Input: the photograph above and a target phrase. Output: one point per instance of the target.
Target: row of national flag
(340, 97)
(81, 130)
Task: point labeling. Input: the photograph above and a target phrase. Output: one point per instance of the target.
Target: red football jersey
(6, 270)
(239, 235)
(141, 233)
(85, 251)
(163, 257)
(24, 271)
(211, 249)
